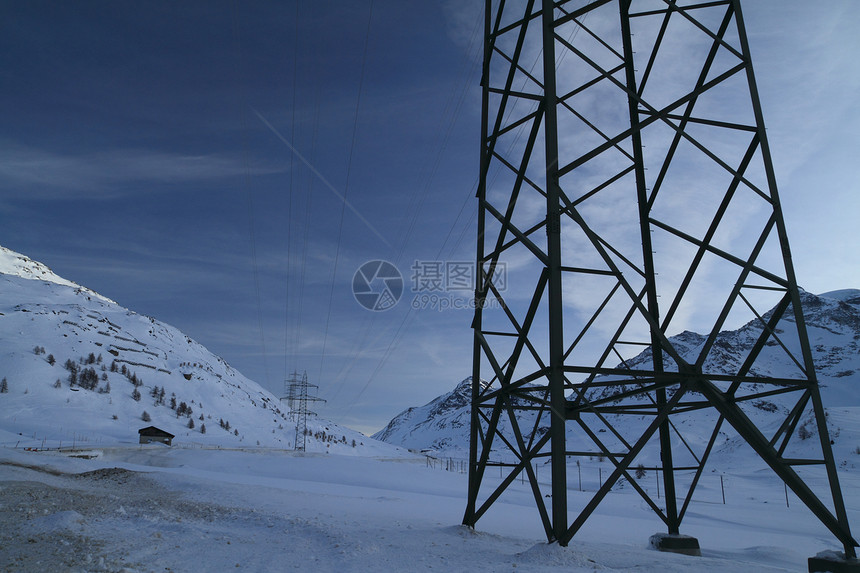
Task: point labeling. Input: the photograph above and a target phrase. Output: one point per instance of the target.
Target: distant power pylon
(297, 398)
(627, 190)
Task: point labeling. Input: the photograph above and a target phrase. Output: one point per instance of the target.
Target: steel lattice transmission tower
(627, 190)
(297, 398)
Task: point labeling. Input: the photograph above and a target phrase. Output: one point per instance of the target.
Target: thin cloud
(49, 174)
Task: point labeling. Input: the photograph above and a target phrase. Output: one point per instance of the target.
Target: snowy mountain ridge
(78, 369)
(440, 425)
(16, 264)
(833, 324)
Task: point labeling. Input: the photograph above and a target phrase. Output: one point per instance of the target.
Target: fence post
(723, 489)
(579, 471)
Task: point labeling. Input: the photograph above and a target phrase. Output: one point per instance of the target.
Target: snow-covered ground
(194, 509)
(236, 498)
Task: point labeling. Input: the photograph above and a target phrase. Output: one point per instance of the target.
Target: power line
(400, 329)
(452, 111)
(346, 187)
(290, 195)
(302, 272)
(246, 180)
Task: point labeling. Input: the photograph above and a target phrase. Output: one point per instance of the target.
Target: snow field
(268, 510)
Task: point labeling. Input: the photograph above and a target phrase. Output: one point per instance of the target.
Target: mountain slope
(833, 324)
(80, 369)
(441, 425)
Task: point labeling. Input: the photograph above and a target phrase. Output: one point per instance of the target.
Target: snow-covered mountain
(833, 324)
(441, 425)
(77, 368)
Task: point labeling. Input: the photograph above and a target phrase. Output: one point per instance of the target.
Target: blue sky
(189, 161)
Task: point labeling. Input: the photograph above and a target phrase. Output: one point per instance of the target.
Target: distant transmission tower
(627, 190)
(297, 398)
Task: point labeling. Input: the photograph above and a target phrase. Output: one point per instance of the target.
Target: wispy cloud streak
(48, 174)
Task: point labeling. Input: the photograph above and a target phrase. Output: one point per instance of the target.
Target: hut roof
(153, 431)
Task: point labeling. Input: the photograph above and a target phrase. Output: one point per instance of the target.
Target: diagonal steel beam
(753, 436)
